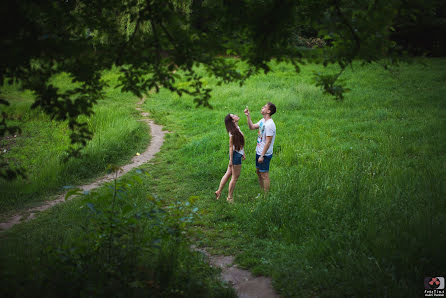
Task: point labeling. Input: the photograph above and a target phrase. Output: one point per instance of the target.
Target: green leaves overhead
(149, 40)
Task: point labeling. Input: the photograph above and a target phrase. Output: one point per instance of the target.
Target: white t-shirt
(266, 129)
(241, 151)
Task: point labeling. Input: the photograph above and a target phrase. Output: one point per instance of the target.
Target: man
(265, 143)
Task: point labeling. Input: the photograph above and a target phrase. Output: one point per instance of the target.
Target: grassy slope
(41, 146)
(357, 186)
(32, 264)
(52, 255)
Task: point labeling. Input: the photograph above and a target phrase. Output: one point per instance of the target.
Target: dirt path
(244, 283)
(157, 138)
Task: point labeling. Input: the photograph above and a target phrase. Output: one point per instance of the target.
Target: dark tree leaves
(151, 41)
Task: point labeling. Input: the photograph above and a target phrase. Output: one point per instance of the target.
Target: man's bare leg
(223, 181)
(266, 182)
(260, 179)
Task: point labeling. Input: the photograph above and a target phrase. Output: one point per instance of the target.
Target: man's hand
(260, 159)
(250, 125)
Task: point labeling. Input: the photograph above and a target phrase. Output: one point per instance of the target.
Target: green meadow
(357, 203)
(41, 146)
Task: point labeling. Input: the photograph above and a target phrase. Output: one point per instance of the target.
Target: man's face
(265, 110)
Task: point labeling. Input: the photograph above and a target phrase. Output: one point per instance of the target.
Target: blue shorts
(236, 158)
(264, 166)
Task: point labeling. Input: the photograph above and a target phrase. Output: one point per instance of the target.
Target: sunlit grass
(357, 186)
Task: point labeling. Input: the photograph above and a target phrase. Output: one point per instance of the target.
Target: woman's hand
(244, 157)
(261, 159)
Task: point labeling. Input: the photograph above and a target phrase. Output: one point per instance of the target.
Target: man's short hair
(272, 108)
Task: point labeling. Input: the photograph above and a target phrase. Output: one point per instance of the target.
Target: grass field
(357, 199)
(40, 148)
(93, 246)
(357, 187)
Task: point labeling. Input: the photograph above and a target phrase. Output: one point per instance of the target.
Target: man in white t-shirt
(265, 142)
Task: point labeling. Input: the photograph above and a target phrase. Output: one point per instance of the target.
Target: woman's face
(235, 118)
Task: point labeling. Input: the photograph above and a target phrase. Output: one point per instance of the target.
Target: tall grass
(40, 148)
(357, 199)
(117, 241)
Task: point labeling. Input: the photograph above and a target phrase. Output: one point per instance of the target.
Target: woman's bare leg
(236, 173)
(223, 181)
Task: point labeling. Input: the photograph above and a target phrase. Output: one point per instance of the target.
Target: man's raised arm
(250, 124)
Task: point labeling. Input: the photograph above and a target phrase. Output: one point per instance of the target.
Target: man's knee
(264, 175)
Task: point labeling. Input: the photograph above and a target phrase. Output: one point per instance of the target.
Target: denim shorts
(264, 166)
(236, 158)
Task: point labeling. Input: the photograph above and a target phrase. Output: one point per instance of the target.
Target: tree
(421, 26)
(147, 39)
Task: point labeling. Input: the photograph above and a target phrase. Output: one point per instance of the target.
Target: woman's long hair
(237, 138)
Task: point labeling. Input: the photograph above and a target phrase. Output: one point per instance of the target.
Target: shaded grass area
(357, 186)
(40, 148)
(117, 241)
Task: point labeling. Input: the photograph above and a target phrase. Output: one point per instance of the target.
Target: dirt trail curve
(157, 139)
(244, 283)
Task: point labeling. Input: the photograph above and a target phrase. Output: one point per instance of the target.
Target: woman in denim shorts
(236, 155)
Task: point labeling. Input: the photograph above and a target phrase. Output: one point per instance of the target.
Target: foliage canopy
(148, 40)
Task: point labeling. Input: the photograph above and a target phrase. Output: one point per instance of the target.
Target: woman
(236, 155)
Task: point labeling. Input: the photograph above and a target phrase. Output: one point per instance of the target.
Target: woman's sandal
(230, 200)
(217, 195)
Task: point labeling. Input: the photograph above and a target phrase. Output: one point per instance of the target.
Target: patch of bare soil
(6, 143)
(244, 283)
